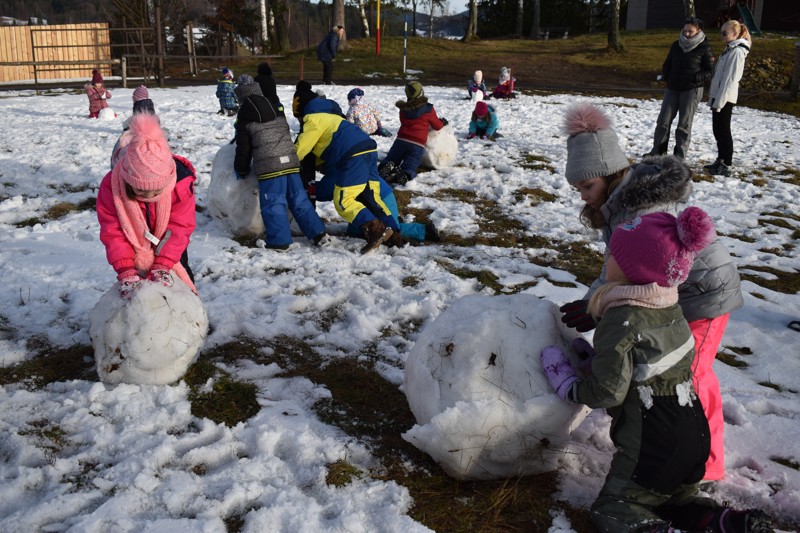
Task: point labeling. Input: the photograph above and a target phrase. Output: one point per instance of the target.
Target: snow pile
(475, 384)
(441, 149)
(232, 201)
(152, 338)
(106, 114)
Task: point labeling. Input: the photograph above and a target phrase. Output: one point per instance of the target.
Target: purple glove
(129, 281)
(161, 276)
(586, 352)
(576, 316)
(558, 370)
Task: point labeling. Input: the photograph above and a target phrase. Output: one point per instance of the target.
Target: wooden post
(124, 66)
(796, 72)
(192, 53)
(159, 44)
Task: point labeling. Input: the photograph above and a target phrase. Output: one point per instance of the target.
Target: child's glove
(444, 121)
(238, 176)
(471, 136)
(129, 281)
(492, 138)
(586, 353)
(558, 370)
(162, 276)
(483, 137)
(576, 316)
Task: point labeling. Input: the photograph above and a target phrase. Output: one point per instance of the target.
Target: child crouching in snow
(484, 122)
(476, 88)
(641, 373)
(364, 115)
(146, 210)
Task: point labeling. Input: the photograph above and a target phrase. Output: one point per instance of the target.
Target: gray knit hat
(592, 147)
(246, 86)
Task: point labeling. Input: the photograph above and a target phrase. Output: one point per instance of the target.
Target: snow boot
(396, 240)
(726, 520)
(387, 170)
(431, 233)
(376, 233)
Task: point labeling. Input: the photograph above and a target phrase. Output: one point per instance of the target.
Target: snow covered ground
(140, 448)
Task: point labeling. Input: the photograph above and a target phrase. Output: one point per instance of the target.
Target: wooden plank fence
(65, 51)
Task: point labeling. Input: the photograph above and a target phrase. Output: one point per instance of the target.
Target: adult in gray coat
(687, 67)
(326, 51)
(614, 192)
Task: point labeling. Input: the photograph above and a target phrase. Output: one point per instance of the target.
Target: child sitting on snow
(146, 210)
(484, 122)
(364, 115)
(505, 89)
(476, 85)
(641, 373)
(97, 94)
(225, 94)
(417, 117)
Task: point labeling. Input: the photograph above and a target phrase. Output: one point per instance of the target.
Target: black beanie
(264, 68)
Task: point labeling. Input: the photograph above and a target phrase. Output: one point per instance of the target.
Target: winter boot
(398, 176)
(726, 520)
(387, 170)
(396, 240)
(376, 233)
(323, 240)
(431, 233)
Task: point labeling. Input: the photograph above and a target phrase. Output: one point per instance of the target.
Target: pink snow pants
(707, 333)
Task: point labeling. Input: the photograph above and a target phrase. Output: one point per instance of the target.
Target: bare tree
(338, 20)
(472, 27)
(614, 39)
(688, 9)
(263, 8)
(534, 33)
(363, 14)
(280, 10)
(433, 5)
(518, 24)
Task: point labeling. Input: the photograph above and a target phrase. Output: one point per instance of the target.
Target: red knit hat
(96, 77)
(659, 248)
(140, 93)
(147, 164)
(481, 109)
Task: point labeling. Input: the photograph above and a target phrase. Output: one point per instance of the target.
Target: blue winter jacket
(328, 46)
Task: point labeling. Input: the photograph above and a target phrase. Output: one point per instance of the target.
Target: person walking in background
(268, 87)
(364, 115)
(326, 51)
(98, 95)
(613, 192)
(417, 117)
(263, 139)
(225, 94)
(724, 92)
(146, 210)
(476, 88)
(641, 373)
(484, 122)
(687, 67)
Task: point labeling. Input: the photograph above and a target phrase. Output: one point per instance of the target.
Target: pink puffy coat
(97, 98)
(182, 222)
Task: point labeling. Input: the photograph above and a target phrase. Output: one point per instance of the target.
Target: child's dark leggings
(721, 125)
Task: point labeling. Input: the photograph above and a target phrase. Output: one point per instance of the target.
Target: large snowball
(441, 149)
(231, 201)
(475, 384)
(152, 338)
(106, 114)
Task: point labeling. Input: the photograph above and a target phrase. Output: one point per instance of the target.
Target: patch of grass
(578, 259)
(484, 277)
(228, 402)
(731, 359)
(57, 211)
(784, 461)
(537, 162)
(697, 177)
(50, 365)
(775, 222)
(536, 195)
(409, 281)
(341, 473)
(49, 438)
(782, 214)
(771, 385)
(777, 280)
(742, 238)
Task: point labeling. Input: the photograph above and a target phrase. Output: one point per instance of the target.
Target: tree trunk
(262, 4)
(430, 19)
(472, 27)
(688, 9)
(518, 23)
(614, 39)
(364, 19)
(534, 33)
(414, 18)
(338, 20)
(281, 30)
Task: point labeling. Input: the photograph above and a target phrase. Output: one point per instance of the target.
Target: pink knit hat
(147, 164)
(96, 77)
(481, 109)
(140, 93)
(659, 248)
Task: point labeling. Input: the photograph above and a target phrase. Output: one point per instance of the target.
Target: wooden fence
(59, 52)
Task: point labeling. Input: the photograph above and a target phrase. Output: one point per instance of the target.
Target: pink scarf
(134, 224)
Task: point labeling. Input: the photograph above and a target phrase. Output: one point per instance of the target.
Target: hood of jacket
(323, 105)
(414, 103)
(656, 181)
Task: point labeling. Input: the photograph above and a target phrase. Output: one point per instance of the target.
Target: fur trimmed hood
(655, 184)
(414, 103)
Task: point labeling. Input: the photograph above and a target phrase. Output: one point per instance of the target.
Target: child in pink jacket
(146, 210)
(97, 94)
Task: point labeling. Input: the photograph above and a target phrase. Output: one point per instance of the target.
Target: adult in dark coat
(268, 87)
(326, 51)
(687, 67)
